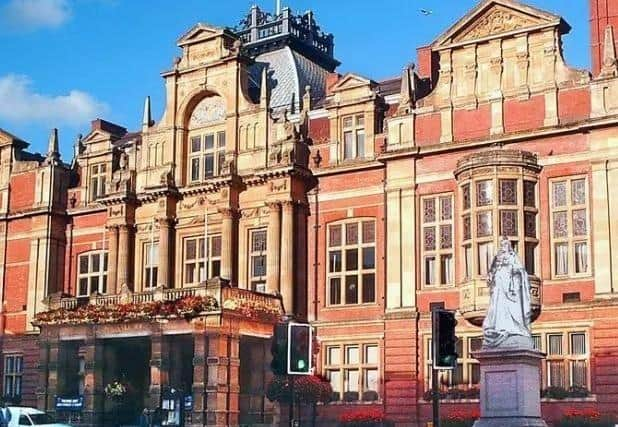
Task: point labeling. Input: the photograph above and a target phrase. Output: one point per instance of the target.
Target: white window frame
(217, 151)
(151, 265)
(355, 129)
(258, 282)
(98, 179)
(12, 379)
(438, 252)
(213, 262)
(362, 366)
(101, 274)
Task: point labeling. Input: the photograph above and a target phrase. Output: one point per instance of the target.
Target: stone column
(223, 385)
(159, 368)
(164, 278)
(92, 351)
(112, 261)
(47, 375)
(52, 372)
(123, 256)
(200, 354)
(227, 243)
(273, 242)
(287, 256)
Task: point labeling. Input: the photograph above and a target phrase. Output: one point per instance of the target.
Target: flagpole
(205, 241)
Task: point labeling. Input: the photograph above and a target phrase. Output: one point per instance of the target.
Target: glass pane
(579, 373)
(578, 344)
(351, 234)
(216, 269)
(215, 246)
(334, 261)
(530, 257)
(190, 249)
(530, 224)
(94, 284)
(536, 342)
(195, 169)
(352, 355)
(560, 224)
(351, 381)
(258, 239)
(83, 264)
(508, 223)
(83, 286)
(578, 191)
(475, 373)
(529, 194)
(579, 222)
(429, 238)
(259, 266)
(369, 258)
(209, 142)
(554, 344)
(465, 195)
(333, 356)
(95, 263)
(429, 210)
(467, 233)
(446, 208)
(334, 235)
(369, 292)
(351, 290)
(360, 120)
(221, 139)
(559, 197)
(200, 248)
(484, 226)
(446, 237)
(446, 269)
(335, 382)
(196, 144)
(348, 145)
(476, 343)
(486, 256)
(371, 354)
(561, 254)
(371, 380)
(351, 259)
(468, 260)
(556, 374)
(430, 270)
(209, 165)
(581, 257)
(484, 193)
(335, 291)
(360, 143)
(347, 122)
(190, 273)
(508, 192)
(369, 231)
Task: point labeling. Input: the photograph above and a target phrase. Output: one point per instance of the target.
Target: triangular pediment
(497, 18)
(198, 33)
(96, 136)
(351, 81)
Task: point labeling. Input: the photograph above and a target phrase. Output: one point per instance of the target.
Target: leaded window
(437, 234)
(570, 231)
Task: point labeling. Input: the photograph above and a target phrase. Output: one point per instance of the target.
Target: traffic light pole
(292, 398)
(435, 397)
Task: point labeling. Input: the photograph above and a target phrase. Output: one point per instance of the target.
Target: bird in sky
(426, 12)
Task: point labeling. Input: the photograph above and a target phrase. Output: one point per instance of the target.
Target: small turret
(609, 66)
(147, 118)
(53, 155)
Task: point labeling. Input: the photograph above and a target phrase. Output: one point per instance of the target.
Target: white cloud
(29, 15)
(19, 103)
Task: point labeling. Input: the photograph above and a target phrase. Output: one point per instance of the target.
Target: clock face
(209, 110)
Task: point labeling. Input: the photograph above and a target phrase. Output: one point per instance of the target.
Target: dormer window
(206, 155)
(98, 174)
(353, 136)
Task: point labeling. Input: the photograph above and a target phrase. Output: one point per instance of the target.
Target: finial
(147, 118)
(53, 155)
(307, 98)
(264, 87)
(609, 67)
(406, 95)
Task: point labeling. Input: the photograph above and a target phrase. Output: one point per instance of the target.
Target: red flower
(363, 415)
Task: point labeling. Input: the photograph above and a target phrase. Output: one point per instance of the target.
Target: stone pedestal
(510, 388)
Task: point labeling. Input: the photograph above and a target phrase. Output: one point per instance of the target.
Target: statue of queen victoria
(507, 323)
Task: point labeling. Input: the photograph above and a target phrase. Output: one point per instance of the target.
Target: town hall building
(162, 256)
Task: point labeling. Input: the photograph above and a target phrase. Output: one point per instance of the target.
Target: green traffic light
(301, 364)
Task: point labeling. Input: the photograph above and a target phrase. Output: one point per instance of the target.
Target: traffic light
(443, 339)
(300, 338)
(279, 349)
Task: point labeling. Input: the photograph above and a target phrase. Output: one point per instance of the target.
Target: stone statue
(507, 323)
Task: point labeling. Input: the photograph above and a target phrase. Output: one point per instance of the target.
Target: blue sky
(65, 62)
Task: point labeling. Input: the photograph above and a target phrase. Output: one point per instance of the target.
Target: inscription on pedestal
(496, 383)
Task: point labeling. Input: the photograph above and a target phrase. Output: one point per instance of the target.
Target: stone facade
(362, 204)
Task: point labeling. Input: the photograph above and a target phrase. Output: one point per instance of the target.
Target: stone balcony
(474, 299)
(228, 298)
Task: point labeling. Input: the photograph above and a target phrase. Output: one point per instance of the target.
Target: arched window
(206, 139)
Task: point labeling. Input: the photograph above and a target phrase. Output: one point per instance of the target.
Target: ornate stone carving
(497, 21)
(209, 110)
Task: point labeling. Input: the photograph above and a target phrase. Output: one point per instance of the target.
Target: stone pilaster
(44, 390)
(112, 261)
(227, 243)
(92, 351)
(287, 256)
(222, 388)
(123, 255)
(159, 368)
(165, 229)
(273, 241)
(200, 352)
